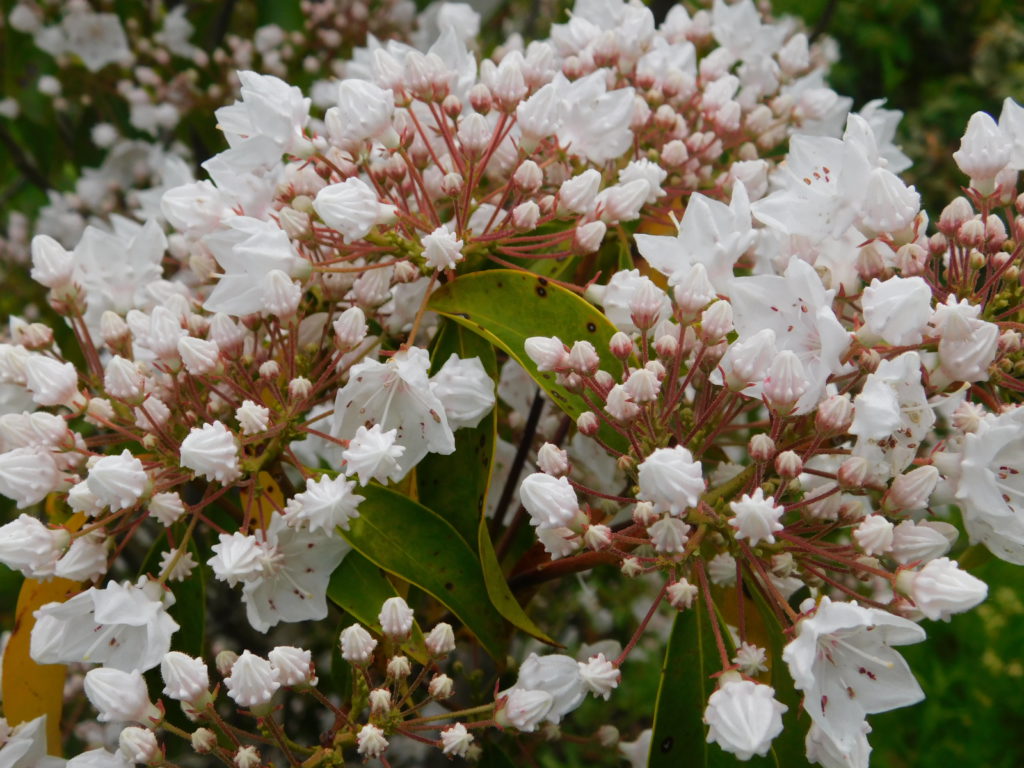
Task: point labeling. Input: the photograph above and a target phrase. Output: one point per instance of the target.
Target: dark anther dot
(541, 292)
(666, 745)
(464, 315)
(591, 327)
(449, 586)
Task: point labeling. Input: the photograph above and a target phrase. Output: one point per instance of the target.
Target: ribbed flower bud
(396, 618)
(252, 682)
(357, 645)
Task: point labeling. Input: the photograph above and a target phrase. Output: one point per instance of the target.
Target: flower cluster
(794, 388)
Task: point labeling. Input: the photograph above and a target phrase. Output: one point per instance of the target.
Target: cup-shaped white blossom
(743, 717)
(373, 455)
(984, 151)
(464, 389)
(557, 675)
(550, 501)
(350, 206)
(292, 666)
(671, 479)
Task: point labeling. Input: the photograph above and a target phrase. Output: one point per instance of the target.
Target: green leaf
(359, 588)
(507, 307)
(416, 544)
(455, 486)
(189, 608)
(679, 735)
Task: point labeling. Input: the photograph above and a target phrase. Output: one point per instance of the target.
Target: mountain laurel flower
(442, 249)
(919, 542)
(911, 490)
(120, 696)
(681, 594)
(350, 328)
(373, 455)
(786, 381)
(357, 645)
(351, 207)
(600, 677)
(166, 507)
(984, 152)
(897, 310)
(671, 479)
(118, 481)
(139, 745)
(940, 589)
(252, 681)
(237, 557)
(364, 112)
(456, 740)
(326, 504)
(523, 709)
(396, 618)
(874, 535)
(550, 501)
(85, 559)
(50, 382)
(123, 379)
(211, 451)
(669, 534)
(199, 355)
(440, 641)
(743, 717)
(185, 678)
(557, 675)
(370, 742)
(548, 354)
(292, 666)
(29, 546)
(252, 418)
(464, 389)
(552, 460)
(52, 264)
(756, 518)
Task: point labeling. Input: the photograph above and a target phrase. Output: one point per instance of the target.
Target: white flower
(166, 507)
(750, 659)
(743, 717)
(600, 677)
(440, 641)
(252, 681)
(595, 121)
(395, 618)
(27, 545)
(292, 666)
(524, 709)
(984, 151)
(373, 455)
(118, 481)
(671, 479)
(456, 740)
(350, 206)
(395, 396)
(247, 250)
(212, 452)
(97, 39)
(550, 501)
(52, 264)
(897, 310)
(756, 518)
(120, 696)
(121, 626)
(842, 661)
(356, 644)
(27, 475)
(199, 355)
(291, 584)
(920, 542)
(326, 504)
(874, 535)
(364, 111)
(669, 534)
(556, 675)
(968, 345)
(185, 678)
(252, 418)
(618, 297)
(138, 744)
(50, 382)
(24, 746)
(371, 742)
(823, 750)
(85, 559)
(940, 589)
(441, 249)
(269, 118)
(464, 389)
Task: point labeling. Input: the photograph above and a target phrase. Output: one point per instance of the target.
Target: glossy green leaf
(507, 307)
(455, 486)
(679, 737)
(358, 587)
(416, 544)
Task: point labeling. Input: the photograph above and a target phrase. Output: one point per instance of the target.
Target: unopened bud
(225, 661)
(441, 687)
(587, 423)
(761, 447)
(552, 460)
(912, 490)
(204, 740)
(835, 414)
(853, 473)
(788, 464)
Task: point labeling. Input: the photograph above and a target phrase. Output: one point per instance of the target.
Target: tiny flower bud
(440, 687)
(552, 460)
(139, 745)
(853, 473)
(911, 490)
(399, 668)
(224, 661)
(681, 594)
(204, 740)
(357, 645)
(395, 618)
(761, 447)
(441, 640)
(621, 345)
(788, 464)
(247, 757)
(597, 536)
(587, 423)
(380, 701)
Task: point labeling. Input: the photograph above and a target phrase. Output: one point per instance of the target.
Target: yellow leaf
(30, 689)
